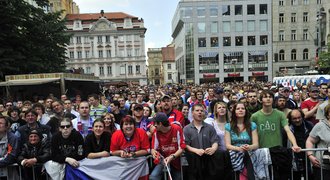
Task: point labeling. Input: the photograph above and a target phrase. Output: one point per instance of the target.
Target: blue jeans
(158, 173)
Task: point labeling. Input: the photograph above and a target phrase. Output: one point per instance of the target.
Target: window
(123, 69)
(214, 27)
(306, 2)
(238, 26)
(305, 17)
(108, 53)
(169, 66)
(129, 52)
(263, 9)
(281, 3)
(169, 76)
(79, 53)
(156, 71)
(137, 38)
(281, 35)
(201, 27)
(86, 39)
(305, 54)
(201, 42)
(293, 17)
(188, 12)
(238, 9)
(130, 69)
(100, 53)
(213, 11)
(263, 25)
(87, 54)
(121, 38)
(226, 26)
(71, 54)
(251, 40)
(264, 40)
(319, 1)
(99, 39)
(281, 18)
(137, 52)
(71, 40)
(129, 38)
(214, 42)
(226, 41)
(137, 69)
(226, 10)
(121, 52)
(239, 41)
(78, 40)
(88, 70)
(293, 2)
(251, 25)
(305, 34)
(250, 9)
(200, 12)
(294, 54)
(281, 55)
(101, 68)
(293, 34)
(109, 70)
(107, 39)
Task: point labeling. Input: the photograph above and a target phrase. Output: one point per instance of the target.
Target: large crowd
(210, 131)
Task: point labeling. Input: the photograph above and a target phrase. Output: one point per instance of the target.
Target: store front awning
(26, 82)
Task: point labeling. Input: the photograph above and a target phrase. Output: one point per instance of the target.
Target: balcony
(258, 66)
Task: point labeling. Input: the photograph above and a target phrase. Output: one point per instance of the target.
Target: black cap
(37, 132)
(219, 90)
(138, 106)
(160, 117)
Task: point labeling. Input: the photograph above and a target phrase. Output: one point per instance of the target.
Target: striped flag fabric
(112, 167)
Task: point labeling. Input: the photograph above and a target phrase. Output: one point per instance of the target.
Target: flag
(112, 167)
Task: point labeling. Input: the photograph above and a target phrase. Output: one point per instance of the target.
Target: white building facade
(108, 45)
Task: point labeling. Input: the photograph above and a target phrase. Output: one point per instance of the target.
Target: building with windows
(155, 59)
(221, 41)
(108, 45)
(298, 34)
(169, 66)
(67, 6)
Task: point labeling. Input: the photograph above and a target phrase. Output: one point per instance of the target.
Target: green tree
(31, 41)
(324, 61)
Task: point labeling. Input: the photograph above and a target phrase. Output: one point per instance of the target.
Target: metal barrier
(4, 171)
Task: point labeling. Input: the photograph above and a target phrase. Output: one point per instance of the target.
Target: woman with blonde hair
(221, 117)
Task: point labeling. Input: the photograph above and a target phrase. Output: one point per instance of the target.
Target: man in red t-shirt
(168, 141)
(174, 116)
(310, 105)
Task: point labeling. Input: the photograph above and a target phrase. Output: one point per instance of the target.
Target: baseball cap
(37, 132)
(138, 106)
(165, 97)
(313, 88)
(160, 117)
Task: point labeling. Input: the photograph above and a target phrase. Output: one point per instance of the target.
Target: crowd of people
(223, 130)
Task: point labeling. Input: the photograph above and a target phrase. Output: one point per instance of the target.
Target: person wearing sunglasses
(66, 147)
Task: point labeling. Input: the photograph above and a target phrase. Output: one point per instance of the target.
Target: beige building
(170, 72)
(155, 59)
(108, 45)
(68, 7)
(296, 27)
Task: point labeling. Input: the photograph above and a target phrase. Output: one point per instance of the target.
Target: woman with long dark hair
(240, 136)
(109, 123)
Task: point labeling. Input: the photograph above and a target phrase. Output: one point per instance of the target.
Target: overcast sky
(157, 16)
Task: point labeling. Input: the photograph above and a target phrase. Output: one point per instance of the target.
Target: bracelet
(309, 155)
(174, 157)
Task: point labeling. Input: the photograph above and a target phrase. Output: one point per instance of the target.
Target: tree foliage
(31, 41)
(324, 61)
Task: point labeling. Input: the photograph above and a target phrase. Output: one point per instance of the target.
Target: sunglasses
(65, 126)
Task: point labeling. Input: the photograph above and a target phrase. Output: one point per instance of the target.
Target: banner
(112, 167)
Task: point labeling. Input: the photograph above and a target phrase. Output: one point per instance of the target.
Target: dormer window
(128, 23)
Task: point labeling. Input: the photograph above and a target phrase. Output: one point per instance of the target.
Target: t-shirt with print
(242, 138)
(269, 127)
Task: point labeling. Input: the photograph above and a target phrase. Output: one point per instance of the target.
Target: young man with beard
(320, 109)
(174, 116)
(96, 109)
(84, 122)
(280, 105)
(310, 105)
(252, 103)
(169, 142)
